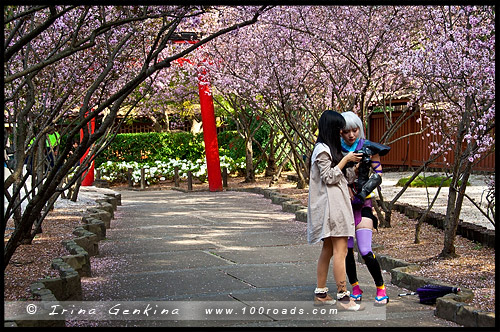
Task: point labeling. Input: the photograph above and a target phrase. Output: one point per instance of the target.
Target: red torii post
(207, 118)
(88, 180)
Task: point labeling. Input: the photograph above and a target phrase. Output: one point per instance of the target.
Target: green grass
(477, 246)
(429, 181)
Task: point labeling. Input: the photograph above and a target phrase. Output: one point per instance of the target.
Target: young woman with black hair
(329, 214)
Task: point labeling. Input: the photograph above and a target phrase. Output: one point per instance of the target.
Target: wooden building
(413, 151)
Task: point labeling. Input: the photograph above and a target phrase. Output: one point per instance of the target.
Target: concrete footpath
(233, 251)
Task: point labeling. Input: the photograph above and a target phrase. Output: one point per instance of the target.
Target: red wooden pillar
(88, 180)
(207, 118)
(210, 135)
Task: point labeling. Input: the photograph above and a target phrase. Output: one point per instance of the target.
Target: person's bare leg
(321, 292)
(339, 272)
(339, 254)
(324, 263)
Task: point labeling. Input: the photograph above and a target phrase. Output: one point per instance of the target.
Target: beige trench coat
(329, 210)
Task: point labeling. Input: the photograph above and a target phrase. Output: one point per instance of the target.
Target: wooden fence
(413, 151)
(136, 127)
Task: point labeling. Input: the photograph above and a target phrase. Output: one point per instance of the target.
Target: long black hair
(329, 126)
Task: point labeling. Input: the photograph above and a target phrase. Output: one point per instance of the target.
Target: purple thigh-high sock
(364, 239)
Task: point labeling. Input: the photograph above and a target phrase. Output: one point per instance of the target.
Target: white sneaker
(346, 303)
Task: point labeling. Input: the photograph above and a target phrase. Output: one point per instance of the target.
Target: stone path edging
(67, 287)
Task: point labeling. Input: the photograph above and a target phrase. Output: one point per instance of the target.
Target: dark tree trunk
(249, 169)
(455, 199)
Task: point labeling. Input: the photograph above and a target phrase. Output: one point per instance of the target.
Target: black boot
(373, 182)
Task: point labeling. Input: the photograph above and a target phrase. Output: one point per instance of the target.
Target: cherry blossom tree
(93, 61)
(298, 61)
(453, 59)
(264, 69)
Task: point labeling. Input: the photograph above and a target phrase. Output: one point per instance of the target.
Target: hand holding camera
(365, 184)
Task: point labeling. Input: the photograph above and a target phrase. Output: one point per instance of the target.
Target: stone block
(100, 183)
(418, 281)
(464, 295)
(82, 232)
(103, 205)
(432, 219)
(388, 263)
(64, 269)
(108, 200)
(68, 286)
(465, 229)
(479, 233)
(440, 223)
(466, 316)
(301, 215)
(38, 289)
(73, 248)
(408, 211)
(55, 286)
(256, 190)
(277, 198)
(102, 215)
(80, 263)
(89, 243)
(86, 218)
(399, 207)
(447, 308)
(485, 319)
(400, 277)
(73, 288)
(267, 192)
(117, 196)
(489, 238)
(95, 226)
(412, 212)
(291, 206)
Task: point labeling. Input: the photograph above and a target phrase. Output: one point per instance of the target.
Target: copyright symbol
(31, 309)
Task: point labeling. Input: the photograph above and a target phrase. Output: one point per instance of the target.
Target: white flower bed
(117, 171)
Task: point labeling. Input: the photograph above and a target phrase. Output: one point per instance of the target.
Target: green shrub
(150, 147)
(231, 144)
(429, 181)
(159, 153)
